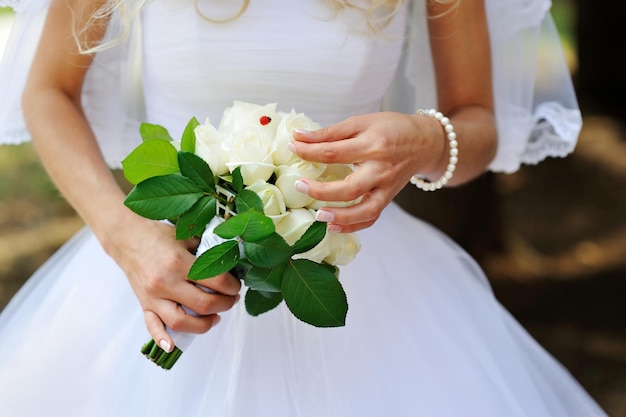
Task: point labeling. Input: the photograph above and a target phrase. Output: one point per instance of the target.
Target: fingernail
(324, 216)
(302, 131)
(333, 228)
(217, 320)
(237, 298)
(165, 345)
(301, 186)
(291, 147)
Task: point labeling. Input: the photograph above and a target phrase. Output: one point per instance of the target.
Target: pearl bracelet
(423, 183)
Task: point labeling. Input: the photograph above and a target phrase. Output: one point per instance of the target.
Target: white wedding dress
(424, 334)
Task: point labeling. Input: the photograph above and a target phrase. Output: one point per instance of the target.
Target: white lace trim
(554, 134)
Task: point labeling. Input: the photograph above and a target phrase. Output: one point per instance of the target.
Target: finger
(175, 317)
(192, 244)
(350, 228)
(365, 178)
(335, 132)
(367, 211)
(203, 303)
(225, 284)
(156, 328)
(347, 151)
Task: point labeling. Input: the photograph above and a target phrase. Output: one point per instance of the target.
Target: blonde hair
(120, 13)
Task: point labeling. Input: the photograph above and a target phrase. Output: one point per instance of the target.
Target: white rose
(242, 115)
(251, 148)
(308, 169)
(289, 122)
(209, 146)
(342, 248)
(272, 198)
(335, 249)
(294, 224)
(286, 178)
(334, 172)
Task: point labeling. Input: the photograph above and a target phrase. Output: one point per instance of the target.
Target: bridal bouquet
(233, 186)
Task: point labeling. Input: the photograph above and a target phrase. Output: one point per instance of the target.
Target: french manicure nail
(324, 216)
(301, 186)
(302, 131)
(164, 344)
(333, 228)
(217, 320)
(291, 147)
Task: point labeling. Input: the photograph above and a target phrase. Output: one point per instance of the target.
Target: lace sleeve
(537, 113)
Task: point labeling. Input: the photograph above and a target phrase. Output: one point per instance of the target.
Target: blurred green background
(552, 237)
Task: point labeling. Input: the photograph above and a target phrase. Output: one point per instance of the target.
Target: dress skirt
(424, 337)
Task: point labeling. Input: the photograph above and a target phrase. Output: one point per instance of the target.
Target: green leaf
(193, 222)
(258, 302)
(267, 252)
(251, 226)
(197, 170)
(151, 132)
(314, 294)
(188, 140)
(248, 200)
(313, 235)
(266, 279)
(217, 260)
(237, 179)
(150, 159)
(163, 197)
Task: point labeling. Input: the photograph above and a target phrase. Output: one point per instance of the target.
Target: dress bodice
(300, 55)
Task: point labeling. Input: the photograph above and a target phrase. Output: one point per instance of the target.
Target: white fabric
(530, 76)
(424, 334)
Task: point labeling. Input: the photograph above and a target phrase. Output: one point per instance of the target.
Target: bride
(424, 334)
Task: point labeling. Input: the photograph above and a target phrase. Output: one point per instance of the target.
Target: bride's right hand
(156, 265)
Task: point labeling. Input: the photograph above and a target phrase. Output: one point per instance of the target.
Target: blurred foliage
(564, 14)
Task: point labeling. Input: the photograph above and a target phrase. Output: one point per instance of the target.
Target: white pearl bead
(453, 159)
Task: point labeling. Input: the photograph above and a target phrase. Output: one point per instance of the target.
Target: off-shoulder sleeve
(537, 113)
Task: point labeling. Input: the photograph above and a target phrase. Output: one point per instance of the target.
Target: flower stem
(165, 360)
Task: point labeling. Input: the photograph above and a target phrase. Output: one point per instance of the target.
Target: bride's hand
(386, 150)
(157, 265)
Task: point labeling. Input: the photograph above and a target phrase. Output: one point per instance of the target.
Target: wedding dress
(424, 334)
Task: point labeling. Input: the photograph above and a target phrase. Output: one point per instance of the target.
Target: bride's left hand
(386, 149)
